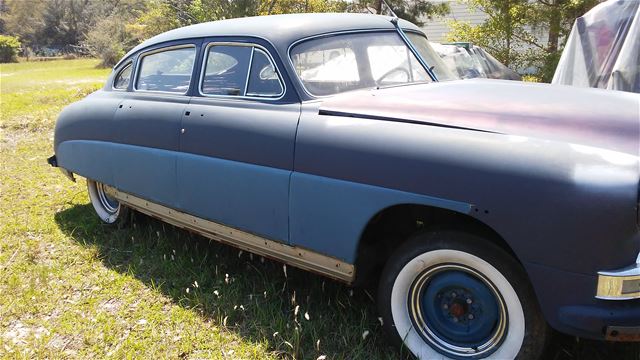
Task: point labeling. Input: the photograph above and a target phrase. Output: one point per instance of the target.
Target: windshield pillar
(413, 49)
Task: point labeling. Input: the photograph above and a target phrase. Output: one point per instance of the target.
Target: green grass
(71, 287)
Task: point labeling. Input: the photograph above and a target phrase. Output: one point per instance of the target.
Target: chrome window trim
(113, 81)
(159, 50)
(336, 33)
(205, 57)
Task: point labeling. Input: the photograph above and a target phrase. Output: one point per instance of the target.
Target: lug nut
(469, 301)
(470, 316)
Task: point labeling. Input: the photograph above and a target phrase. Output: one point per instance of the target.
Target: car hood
(593, 117)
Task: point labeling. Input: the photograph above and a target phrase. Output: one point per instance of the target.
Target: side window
(122, 80)
(263, 78)
(239, 71)
(226, 70)
(166, 71)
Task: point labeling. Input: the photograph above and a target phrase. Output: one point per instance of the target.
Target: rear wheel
(454, 295)
(108, 209)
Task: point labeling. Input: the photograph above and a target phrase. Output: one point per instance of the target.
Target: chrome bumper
(623, 284)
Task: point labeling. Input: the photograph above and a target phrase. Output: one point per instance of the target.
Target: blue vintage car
(487, 211)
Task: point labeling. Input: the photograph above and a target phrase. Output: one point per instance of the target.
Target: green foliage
(522, 33)
(9, 48)
(109, 40)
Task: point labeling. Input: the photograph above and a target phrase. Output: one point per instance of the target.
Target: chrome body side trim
(292, 255)
(622, 284)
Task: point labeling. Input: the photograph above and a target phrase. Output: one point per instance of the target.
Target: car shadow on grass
(259, 299)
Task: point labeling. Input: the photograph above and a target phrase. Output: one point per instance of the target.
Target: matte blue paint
(145, 172)
(329, 215)
(249, 197)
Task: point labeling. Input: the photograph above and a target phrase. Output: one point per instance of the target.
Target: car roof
(280, 30)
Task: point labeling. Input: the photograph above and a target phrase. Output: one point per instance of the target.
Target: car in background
(469, 61)
(485, 210)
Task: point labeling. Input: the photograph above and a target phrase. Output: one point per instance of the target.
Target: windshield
(345, 62)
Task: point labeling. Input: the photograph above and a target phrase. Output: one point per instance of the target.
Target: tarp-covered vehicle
(603, 49)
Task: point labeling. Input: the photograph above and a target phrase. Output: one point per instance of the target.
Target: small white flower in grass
(187, 290)
(224, 321)
(318, 345)
(174, 252)
(230, 352)
(142, 322)
(306, 316)
(295, 312)
(365, 334)
(284, 268)
(242, 307)
(275, 334)
(158, 234)
(195, 284)
(172, 258)
(250, 297)
(216, 293)
(381, 322)
(226, 278)
(235, 307)
(322, 357)
(265, 294)
(288, 344)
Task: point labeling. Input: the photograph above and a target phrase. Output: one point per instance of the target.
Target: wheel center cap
(457, 309)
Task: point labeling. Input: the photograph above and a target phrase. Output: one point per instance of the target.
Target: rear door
(237, 141)
(147, 122)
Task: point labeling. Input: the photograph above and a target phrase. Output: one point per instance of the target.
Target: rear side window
(240, 70)
(122, 80)
(166, 71)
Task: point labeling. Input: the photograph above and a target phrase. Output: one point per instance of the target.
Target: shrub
(9, 48)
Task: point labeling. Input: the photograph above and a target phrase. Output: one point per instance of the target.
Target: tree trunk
(554, 26)
(378, 7)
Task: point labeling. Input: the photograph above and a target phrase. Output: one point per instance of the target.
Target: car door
(147, 123)
(237, 141)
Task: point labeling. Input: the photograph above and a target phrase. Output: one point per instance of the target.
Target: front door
(237, 141)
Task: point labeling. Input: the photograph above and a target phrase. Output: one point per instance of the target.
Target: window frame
(142, 55)
(253, 46)
(120, 70)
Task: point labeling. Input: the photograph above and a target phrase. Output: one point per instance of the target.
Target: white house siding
(437, 28)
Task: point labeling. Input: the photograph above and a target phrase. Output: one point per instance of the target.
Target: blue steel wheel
(454, 295)
(457, 310)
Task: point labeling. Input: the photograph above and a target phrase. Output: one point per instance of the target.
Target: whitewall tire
(451, 295)
(108, 209)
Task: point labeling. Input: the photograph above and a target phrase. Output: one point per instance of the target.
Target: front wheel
(454, 295)
(108, 209)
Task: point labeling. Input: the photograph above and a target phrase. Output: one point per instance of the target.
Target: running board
(292, 255)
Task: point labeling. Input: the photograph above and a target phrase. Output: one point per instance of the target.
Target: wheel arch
(390, 227)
